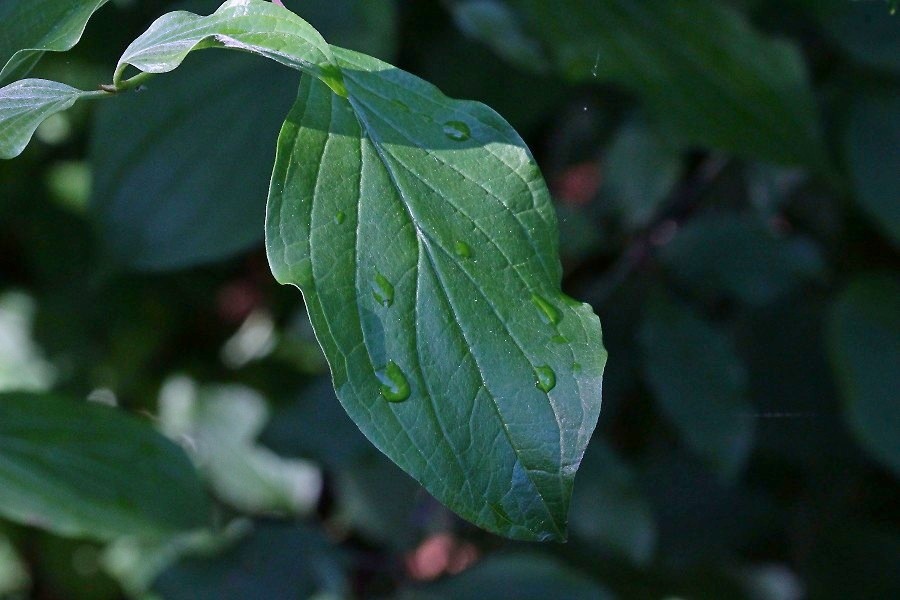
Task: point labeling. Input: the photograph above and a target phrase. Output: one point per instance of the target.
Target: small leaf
(86, 470)
(700, 383)
(481, 430)
(864, 338)
(24, 105)
(28, 28)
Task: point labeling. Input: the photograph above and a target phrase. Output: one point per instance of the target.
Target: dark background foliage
(726, 179)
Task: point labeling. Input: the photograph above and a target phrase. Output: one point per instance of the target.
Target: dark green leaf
(26, 104)
(181, 168)
(866, 30)
(872, 142)
(82, 469)
(28, 28)
(865, 351)
(698, 66)
(431, 274)
(700, 383)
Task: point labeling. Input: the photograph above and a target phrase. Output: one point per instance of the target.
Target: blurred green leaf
(699, 382)
(26, 104)
(513, 577)
(495, 24)
(609, 508)
(864, 338)
(14, 577)
(30, 27)
(450, 343)
(698, 66)
(872, 141)
(220, 425)
(181, 168)
(275, 562)
(639, 171)
(368, 26)
(853, 560)
(22, 365)
(81, 469)
(736, 256)
(866, 30)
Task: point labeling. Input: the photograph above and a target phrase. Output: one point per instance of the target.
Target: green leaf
(697, 65)
(24, 105)
(422, 236)
(86, 470)
(513, 577)
(872, 141)
(28, 28)
(868, 32)
(864, 338)
(700, 383)
(737, 256)
(211, 203)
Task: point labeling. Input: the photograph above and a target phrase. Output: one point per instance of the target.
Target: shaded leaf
(81, 469)
(28, 28)
(430, 271)
(864, 338)
(699, 382)
(24, 105)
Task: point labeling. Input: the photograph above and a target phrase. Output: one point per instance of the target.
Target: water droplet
(549, 313)
(382, 290)
(457, 130)
(546, 378)
(462, 249)
(339, 217)
(394, 386)
(559, 339)
(332, 77)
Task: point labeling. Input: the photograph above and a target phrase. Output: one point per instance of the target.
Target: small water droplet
(382, 290)
(394, 386)
(462, 249)
(559, 339)
(457, 130)
(339, 217)
(549, 313)
(546, 378)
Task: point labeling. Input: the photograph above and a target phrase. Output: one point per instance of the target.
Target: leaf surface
(87, 470)
(421, 233)
(24, 105)
(28, 28)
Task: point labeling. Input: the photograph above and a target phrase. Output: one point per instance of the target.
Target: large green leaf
(421, 233)
(26, 104)
(88, 470)
(28, 28)
(697, 65)
(872, 140)
(700, 383)
(865, 350)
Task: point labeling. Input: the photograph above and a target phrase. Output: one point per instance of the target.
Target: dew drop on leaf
(394, 386)
(382, 290)
(457, 131)
(546, 378)
(549, 313)
(462, 249)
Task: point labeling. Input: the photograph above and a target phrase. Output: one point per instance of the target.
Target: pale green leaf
(421, 233)
(864, 338)
(28, 28)
(86, 470)
(24, 105)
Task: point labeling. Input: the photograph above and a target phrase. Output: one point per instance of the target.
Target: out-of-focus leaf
(14, 578)
(81, 469)
(22, 366)
(608, 506)
(28, 28)
(865, 349)
(220, 425)
(639, 172)
(26, 104)
(513, 577)
(368, 26)
(868, 32)
(699, 382)
(697, 65)
(495, 24)
(181, 168)
(275, 562)
(736, 256)
(853, 560)
(872, 141)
